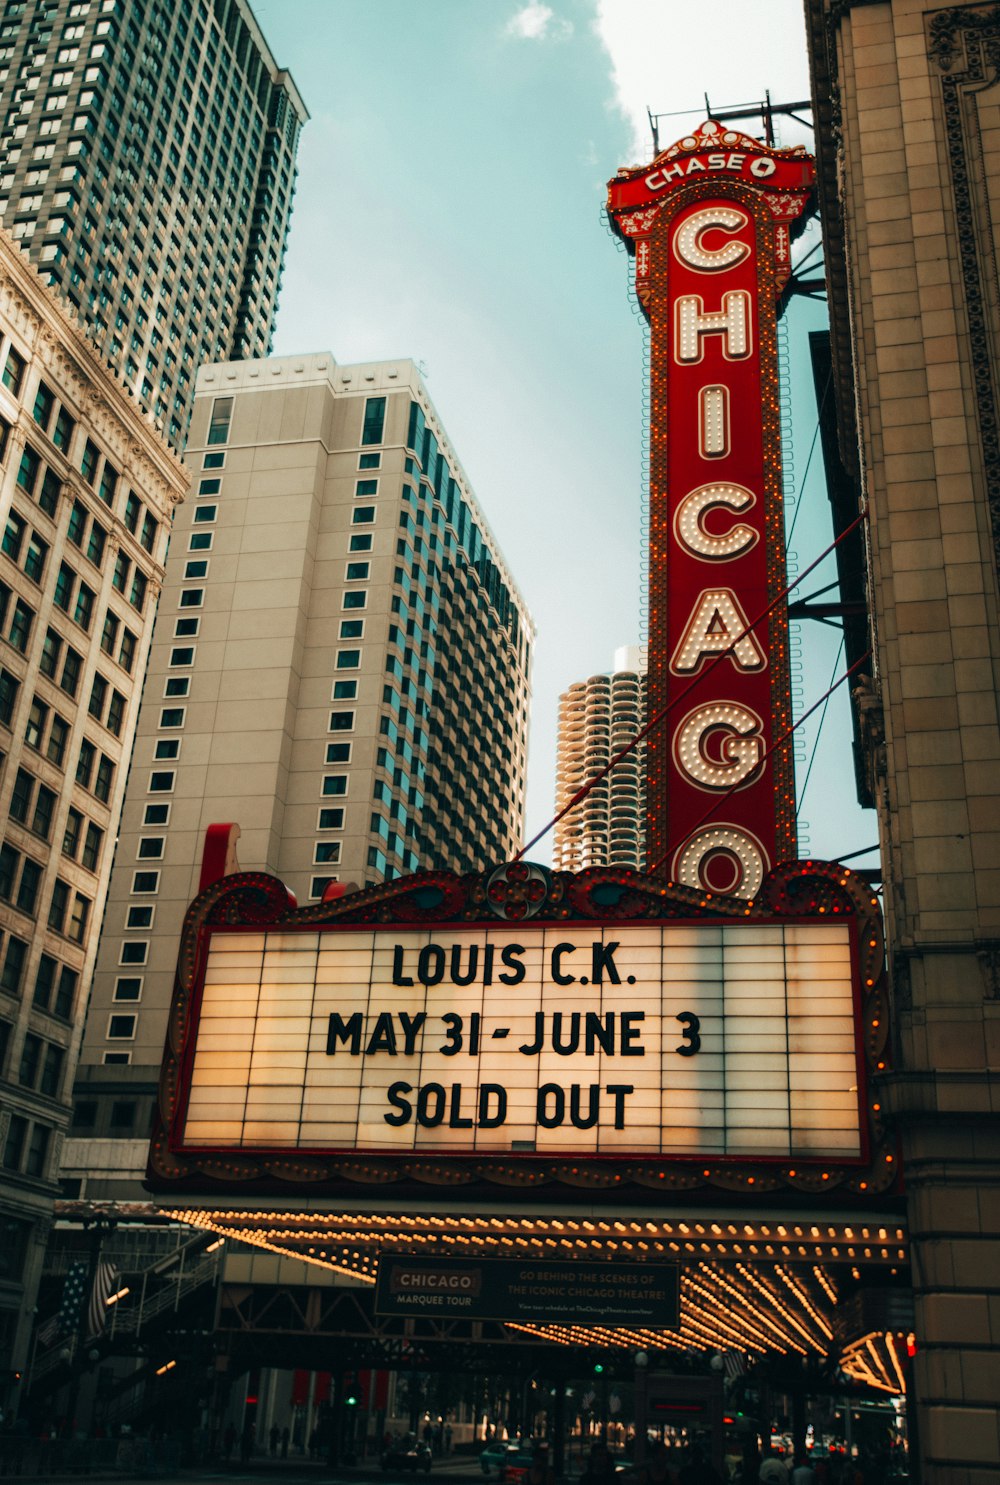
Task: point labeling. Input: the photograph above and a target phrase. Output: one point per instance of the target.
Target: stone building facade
(87, 493)
(907, 97)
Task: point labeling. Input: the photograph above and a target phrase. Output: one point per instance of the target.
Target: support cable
(654, 722)
(778, 743)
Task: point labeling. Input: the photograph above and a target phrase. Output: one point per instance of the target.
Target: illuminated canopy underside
(759, 1286)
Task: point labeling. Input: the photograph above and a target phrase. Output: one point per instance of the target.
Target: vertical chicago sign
(710, 224)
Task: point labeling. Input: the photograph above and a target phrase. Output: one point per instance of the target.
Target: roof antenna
(654, 125)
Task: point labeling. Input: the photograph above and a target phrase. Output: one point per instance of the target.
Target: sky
(449, 208)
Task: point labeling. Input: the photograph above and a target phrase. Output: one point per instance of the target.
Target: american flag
(74, 1290)
(735, 1363)
(105, 1284)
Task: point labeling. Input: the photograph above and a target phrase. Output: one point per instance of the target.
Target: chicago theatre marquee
(679, 1067)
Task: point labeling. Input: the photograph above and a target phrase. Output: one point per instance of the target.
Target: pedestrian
(447, 1438)
(698, 1470)
(272, 1439)
(540, 1471)
(229, 1441)
(656, 1470)
(773, 1470)
(803, 1473)
(286, 1437)
(247, 1442)
(600, 1466)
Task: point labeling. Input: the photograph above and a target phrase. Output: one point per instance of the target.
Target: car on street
(495, 1455)
(407, 1453)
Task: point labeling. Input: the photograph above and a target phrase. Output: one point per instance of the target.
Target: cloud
(537, 22)
(668, 60)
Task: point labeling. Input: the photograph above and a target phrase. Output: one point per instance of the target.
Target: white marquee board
(657, 1039)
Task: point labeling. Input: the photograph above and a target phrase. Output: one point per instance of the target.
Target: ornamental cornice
(102, 399)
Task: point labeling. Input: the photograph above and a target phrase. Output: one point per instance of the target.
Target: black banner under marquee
(542, 1293)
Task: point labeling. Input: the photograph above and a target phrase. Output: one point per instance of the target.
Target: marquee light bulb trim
(710, 225)
(615, 902)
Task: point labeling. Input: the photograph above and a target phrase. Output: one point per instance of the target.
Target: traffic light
(598, 1368)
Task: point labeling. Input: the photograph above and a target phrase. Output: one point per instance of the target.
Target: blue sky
(449, 208)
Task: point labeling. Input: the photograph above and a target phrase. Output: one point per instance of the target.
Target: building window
(345, 690)
(92, 846)
(126, 655)
(331, 819)
(13, 966)
(139, 917)
(156, 814)
(341, 721)
(58, 740)
(13, 372)
(374, 423)
(357, 571)
(182, 655)
(145, 881)
(9, 687)
(20, 626)
(348, 659)
(222, 413)
(150, 848)
(77, 929)
(200, 541)
(161, 783)
(186, 628)
(204, 513)
(37, 720)
(27, 470)
(192, 597)
(89, 462)
(360, 542)
(369, 461)
(319, 885)
(209, 487)
(121, 1028)
(327, 852)
(213, 461)
(357, 599)
(362, 515)
(134, 952)
(109, 633)
(335, 783)
(104, 779)
(129, 987)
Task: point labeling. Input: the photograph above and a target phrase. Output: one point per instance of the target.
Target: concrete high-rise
(148, 167)
(597, 718)
(341, 669)
(87, 490)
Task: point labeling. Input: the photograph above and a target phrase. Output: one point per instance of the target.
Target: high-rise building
(908, 138)
(87, 490)
(597, 718)
(341, 668)
(148, 166)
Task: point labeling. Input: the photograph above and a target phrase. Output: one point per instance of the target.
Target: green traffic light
(351, 1401)
(598, 1368)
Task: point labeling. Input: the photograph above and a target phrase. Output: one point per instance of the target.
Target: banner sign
(528, 1029)
(540, 1293)
(710, 225)
(673, 1039)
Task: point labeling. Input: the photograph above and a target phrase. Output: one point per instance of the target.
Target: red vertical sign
(709, 222)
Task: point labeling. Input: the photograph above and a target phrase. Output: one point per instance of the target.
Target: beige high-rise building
(597, 718)
(341, 668)
(87, 490)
